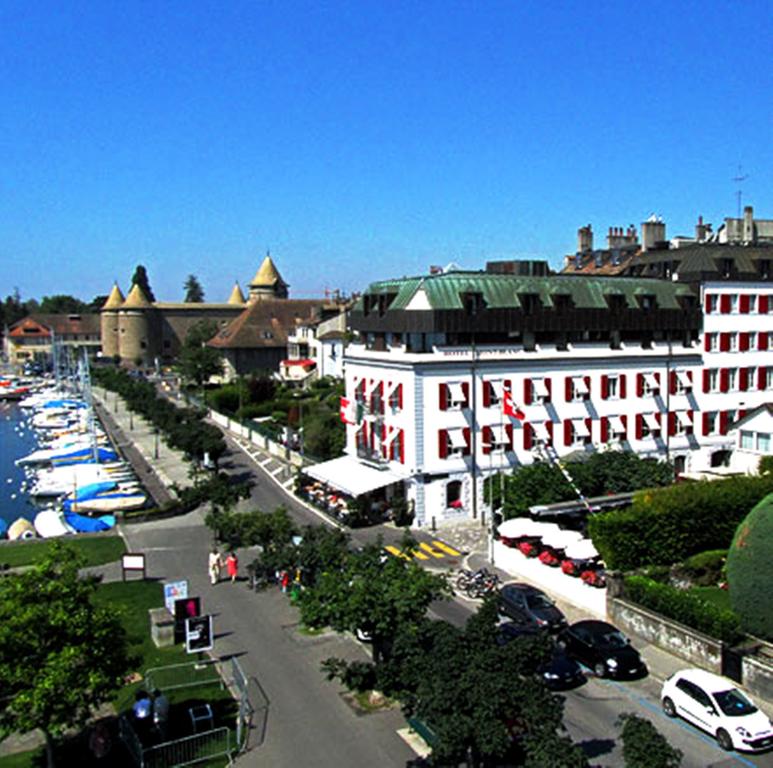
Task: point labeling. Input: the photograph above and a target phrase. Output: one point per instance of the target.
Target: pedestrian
(215, 564)
(160, 713)
(100, 741)
(285, 580)
(232, 566)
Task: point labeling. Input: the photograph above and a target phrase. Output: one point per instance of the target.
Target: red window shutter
(743, 379)
(371, 437)
(659, 420)
(659, 381)
(672, 423)
(549, 427)
(724, 342)
(706, 379)
(743, 342)
(604, 387)
(466, 392)
(762, 377)
(707, 303)
(401, 438)
(486, 394)
(639, 426)
(380, 390)
(624, 419)
(706, 424)
(672, 382)
(509, 432)
(383, 440)
(400, 400)
(442, 443)
(568, 432)
(724, 380)
(487, 438)
(528, 390)
(549, 388)
(443, 392)
(604, 430)
(622, 386)
(723, 422)
(466, 433)
(762, 340)
(639, 385)
(527, 437)
(743, 304)
(586, 396)
(741, 413)
(706, 342)
(568, 389)
(724, 303)
(762, 304)
(589, 427)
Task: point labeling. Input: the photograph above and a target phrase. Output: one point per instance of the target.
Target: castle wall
(108, 322)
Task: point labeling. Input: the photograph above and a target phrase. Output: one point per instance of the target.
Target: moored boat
(21, 528)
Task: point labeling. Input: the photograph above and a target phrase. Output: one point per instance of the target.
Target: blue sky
(363, 140)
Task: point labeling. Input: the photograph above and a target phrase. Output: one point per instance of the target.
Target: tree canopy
(193, 290)
(60, 654)
(62, 304)
(197, 362)
(140, 277)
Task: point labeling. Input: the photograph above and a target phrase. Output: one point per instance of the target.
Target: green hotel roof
(501, 291)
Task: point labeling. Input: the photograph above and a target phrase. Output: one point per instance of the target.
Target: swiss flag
(509, 408)
(346, 411)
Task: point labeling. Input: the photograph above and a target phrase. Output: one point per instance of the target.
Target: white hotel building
(661, 367)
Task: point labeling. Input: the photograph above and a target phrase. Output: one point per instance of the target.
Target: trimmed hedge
(683, 607)
(668, 525)
(749, 571)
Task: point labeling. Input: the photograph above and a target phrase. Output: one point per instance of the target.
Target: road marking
(445, 548)
(396, 552)
(426, 547)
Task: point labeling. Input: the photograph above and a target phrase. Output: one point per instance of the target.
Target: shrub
(644, 746)
(749, 570)
(703, 569)
(667, 525)
(683, 607)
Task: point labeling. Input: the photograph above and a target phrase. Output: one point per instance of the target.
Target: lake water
(16, 440)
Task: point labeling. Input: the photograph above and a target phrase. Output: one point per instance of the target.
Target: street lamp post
(155, 445)
(131, 419)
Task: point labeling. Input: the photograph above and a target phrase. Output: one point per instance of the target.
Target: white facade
(438, 416)
(753, 437)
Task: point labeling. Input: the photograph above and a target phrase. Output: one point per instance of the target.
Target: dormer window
(529, 302)
(473, 303)
(647, 302)
(563, 302)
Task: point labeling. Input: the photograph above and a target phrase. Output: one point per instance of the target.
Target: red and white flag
(346, 411)
(509, 408)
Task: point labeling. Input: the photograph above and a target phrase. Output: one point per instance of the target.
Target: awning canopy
(684, 418)
(651, 380)
(580, 387)
(349, 475)
(498, 385)
(499, 435)
(651, 420)
(616, 425)
(580, 428)
(392, 433)
(456, 391)
(541, 431)
(457, 438)
(684, 378)
(540, 388)
(305, 362)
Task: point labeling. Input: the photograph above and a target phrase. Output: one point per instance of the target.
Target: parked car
(528, 605)
(715, 705)
(561, 672)
(603, 648)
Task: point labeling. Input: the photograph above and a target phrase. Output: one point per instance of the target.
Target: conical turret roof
(136, 298)
(236, 297)
(267, 275)
(115, 299)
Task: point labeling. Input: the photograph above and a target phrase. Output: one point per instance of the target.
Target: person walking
(232, 566)
(215, 564)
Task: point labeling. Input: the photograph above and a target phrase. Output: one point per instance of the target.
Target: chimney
(652, 231)
(584, 239)
(701, 230)
(748, 225)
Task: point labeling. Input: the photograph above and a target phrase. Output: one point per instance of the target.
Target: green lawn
(714, 595)
(96, 550)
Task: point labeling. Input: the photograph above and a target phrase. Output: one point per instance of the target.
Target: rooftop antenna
(738, 179)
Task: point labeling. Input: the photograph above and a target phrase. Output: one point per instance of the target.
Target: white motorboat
(50, 523)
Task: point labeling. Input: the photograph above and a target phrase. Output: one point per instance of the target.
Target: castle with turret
(140, 333)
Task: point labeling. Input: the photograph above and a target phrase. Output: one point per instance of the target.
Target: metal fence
(190, 750)
(186, 675)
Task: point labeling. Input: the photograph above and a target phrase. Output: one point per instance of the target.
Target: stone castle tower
(267, 283)
(109, 322)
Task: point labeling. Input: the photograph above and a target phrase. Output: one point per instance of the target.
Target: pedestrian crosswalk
(434, 550)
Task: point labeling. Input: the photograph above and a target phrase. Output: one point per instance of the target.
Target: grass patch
(714, 595)
(96, 550)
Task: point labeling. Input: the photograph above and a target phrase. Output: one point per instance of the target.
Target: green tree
(62, 304)
(193, 290)
(644, 746)
(374, 592)
(60, 655)
(198, 362)
(538, 483)
(140, 277)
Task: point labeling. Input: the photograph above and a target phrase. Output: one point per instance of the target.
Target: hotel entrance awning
(351, 476)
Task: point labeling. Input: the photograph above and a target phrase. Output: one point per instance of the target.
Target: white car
(717, 706)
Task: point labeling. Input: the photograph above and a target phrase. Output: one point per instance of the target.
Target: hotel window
(763, 442)
(752, 374)
(683, 383)
(540, 391)
(712, 302)
(577, 388)
(712, 342)
(651, 385)
(682, 423)
(733, 342)
(753, 302)
(733, 303)
(732, 379)
(711, 423)
(769, 378)
(747, 440)
(613, 387)
(650, 425)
